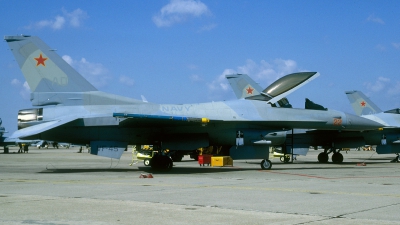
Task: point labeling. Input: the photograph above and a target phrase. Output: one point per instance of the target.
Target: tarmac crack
(345, 215)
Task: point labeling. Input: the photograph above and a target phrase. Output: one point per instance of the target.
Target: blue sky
(177, 51)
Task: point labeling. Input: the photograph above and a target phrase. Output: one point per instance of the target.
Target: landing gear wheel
(337, 157)
(177, 157)
(266, 164)
(161, 162)
(323, 157)
(285, 158)
(146, 162)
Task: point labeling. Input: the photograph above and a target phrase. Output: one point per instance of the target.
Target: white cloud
(374, 19)
(24, 90)
(396, 45)
(95, 73)
(192, 67)
(386, 87)
(74, 19)
(55, 24)
(195, 78)
(380, 48)
(220, 83)
(126, 80)
(262, 72)
(378, 85)
(395, 89)
(15, 82)
(177, 11)
(207, 27)
(268, 72)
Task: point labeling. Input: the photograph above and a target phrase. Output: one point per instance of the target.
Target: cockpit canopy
(394, 111)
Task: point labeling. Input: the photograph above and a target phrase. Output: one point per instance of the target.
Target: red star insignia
(249, 90)
(363, 104)
(40, 60)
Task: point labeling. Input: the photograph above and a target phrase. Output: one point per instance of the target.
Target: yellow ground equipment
(145, 156)
(221, 161)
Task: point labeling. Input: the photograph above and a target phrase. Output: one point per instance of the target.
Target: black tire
(287, 159)
(146, 162)
(266, 164)
(323, 157)
(337, 157)
(177, 157)
(161, 162)
(154, 162)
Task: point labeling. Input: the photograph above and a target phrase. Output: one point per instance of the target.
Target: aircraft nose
(359, 123)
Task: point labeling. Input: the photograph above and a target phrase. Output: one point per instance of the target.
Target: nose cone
(359, 123)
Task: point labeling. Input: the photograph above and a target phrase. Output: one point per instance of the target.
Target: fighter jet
(6, 141)
(70, 109)
(386, 139)
(299, 139)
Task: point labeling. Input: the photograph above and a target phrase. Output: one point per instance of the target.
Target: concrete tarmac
(49, 186)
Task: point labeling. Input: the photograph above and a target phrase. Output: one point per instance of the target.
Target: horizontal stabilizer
(40, 128)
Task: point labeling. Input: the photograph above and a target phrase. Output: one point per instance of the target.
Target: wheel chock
(146, 176)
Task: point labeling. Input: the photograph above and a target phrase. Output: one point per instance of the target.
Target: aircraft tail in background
(361, 104)
(43, 69)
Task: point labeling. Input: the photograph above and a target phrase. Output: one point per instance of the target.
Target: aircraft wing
(42, 127)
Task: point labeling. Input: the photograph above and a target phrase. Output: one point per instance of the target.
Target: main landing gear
(337, 157)
(397, 159)
(266, 164)
(161, 162)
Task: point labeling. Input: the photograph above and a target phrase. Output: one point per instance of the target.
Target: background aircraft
(70, 109)
(387, 139)
(6, 141)
(301, 139)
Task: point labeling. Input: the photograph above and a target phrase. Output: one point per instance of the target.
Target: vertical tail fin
(43, 69)
(361, 104)
(243, 85)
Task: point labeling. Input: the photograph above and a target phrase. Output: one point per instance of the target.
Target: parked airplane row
(386, 138)
(67, 108)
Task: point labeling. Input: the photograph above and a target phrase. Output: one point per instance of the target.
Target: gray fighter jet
(69, 109)
(6, 141)
(387, 139)
(300, 139)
